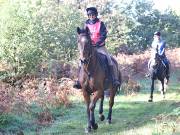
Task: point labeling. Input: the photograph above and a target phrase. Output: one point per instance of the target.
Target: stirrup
(116, 83)
(77, 85)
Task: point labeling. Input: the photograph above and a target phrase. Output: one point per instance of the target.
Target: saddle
(104, 63)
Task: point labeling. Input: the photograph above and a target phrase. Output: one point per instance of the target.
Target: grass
(132, 115)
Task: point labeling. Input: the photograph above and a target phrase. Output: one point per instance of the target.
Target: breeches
(104, 51)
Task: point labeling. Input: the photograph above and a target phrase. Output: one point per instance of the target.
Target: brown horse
(93, 78)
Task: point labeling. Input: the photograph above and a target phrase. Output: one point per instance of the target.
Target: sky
(164, 4)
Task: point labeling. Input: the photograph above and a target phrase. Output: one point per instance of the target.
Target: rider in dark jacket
(159, 45)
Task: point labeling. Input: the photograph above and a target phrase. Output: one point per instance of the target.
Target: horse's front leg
(111, 103)
(92, 106)
(87, 101)
(152, 89)
(162, 90)
(101, 116)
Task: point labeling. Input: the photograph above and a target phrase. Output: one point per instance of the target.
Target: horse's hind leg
(101, 116)
(167, 80)
(111, 103)
(162, 90)
(167, 73)
(152, 89)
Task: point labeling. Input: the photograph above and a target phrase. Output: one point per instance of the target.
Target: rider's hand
(97, 45)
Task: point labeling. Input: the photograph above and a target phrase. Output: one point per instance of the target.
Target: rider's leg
(166, 62)
(167, 69)
(114, 75)
(113, 72)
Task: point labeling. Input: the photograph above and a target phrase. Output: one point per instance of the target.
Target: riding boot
(115, 80)
(77, 84)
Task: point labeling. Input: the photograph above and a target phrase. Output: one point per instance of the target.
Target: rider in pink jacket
(98, 33)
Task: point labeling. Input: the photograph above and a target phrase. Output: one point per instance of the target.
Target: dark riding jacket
(98, 32)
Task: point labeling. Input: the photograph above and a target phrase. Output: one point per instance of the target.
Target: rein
(89, 65)
(88, 62)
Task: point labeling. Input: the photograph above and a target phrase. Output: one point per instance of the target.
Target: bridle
(87, 60)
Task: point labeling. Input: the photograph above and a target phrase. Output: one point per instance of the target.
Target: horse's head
(154, 61)
(84, 45)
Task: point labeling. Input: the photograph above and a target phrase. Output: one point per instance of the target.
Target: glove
(97, 45)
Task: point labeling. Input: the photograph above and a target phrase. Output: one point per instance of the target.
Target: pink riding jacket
(95, 32)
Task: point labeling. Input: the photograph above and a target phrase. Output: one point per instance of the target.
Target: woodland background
(39, 58)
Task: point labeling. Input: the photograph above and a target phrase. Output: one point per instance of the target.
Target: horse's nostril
(84, 61)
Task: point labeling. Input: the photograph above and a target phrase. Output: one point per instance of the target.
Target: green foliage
(176, 112)
(34, 31)
(133, 23)
(145, 21)
(115, 21)
(4, 119)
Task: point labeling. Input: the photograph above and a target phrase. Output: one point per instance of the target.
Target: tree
(144, 21)
(33, 31)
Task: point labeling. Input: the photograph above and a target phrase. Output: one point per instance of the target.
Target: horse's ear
(78, 30)
(87, 30)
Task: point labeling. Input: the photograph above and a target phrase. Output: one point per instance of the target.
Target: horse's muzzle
(85, 61)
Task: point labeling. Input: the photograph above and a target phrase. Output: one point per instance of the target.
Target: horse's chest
(94, 82)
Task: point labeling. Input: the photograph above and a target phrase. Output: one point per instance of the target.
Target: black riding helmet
(92, 10)
(157, 33)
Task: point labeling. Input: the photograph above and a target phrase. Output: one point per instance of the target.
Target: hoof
(163, 95)
(101, 117)
(95, 126)
(167, 82)
(87, 130)
(150, 100)
(108, 121)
